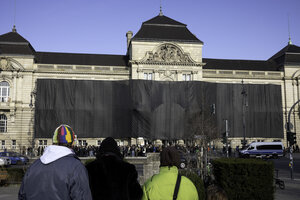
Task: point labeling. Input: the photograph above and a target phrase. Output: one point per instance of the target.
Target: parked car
(6, 161)
(16, 159)
(2, 162)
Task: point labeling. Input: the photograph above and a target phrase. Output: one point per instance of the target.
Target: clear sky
(230, 29)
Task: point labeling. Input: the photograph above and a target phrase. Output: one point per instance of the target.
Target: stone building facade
(162, 50)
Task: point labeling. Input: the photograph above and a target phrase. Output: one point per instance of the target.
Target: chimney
(129, 36)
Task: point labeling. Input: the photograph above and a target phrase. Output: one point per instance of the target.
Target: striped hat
(63, 134)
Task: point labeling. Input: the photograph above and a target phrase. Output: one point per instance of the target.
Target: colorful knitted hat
(63, 134)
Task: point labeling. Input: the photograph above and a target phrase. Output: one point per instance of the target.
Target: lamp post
(291, 142)
(244, 93)
(31, 105)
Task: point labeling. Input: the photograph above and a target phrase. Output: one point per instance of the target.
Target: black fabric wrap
(154, 109)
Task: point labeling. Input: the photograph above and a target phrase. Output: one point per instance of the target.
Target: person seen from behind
(168, 184)
(110, 177)
(58, 174)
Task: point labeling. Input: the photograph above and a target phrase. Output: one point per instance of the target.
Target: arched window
(4, 91)
(3, 123)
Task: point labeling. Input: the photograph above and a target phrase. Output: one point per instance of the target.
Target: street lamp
(244, 93)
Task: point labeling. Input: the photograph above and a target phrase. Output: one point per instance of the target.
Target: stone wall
(145, 166)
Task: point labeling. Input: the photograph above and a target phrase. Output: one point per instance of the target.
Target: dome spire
(290, 41)
(14, 29)
(160, 10)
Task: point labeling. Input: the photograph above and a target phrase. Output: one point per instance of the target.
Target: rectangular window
(2, 127)
(99, 142)
(186, 77)
(45, 142)
(84, 142)
(3, 144)
(13, 144)
(3, 123)
(148, 76)
(80, 142)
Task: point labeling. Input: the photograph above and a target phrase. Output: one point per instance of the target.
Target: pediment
(8, 64)
(167, 54)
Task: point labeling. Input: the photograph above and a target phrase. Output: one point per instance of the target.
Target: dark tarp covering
(153, 109)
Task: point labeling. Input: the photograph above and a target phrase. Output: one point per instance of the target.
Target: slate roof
(162, 28)
(288, 54)
(251, 65)
(81, 59)
(16, 49)
(13, 37)
(13, 43)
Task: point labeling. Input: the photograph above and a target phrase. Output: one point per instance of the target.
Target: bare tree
(203, 128)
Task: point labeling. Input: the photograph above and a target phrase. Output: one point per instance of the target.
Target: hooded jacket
(161, 186)
(57, 175)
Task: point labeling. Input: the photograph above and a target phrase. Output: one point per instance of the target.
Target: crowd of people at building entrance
(59, 174)
(126, 150)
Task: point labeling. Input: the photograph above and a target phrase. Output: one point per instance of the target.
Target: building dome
(14, 43)
(163, 28)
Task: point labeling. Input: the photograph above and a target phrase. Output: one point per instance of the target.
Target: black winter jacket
(111, 178)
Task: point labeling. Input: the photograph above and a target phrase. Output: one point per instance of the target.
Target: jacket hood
(54, 152)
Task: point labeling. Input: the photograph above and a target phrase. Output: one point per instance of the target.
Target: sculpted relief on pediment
(168, 53)
(8, 64)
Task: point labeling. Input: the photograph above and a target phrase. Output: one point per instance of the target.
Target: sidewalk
(10, 192)
(291, 191)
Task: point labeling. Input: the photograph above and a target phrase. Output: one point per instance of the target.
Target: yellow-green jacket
(162, 186)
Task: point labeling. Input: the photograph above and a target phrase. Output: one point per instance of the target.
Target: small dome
(162, 28)
(14, 43)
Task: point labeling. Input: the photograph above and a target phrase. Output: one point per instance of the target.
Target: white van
(263, 149)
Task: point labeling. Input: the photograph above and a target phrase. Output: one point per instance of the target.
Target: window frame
(3, 123)
(13, 144)
(148, 76)
(186, 77)
(3, 144)
(4, 86)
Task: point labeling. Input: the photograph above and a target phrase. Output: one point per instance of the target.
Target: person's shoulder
(149, 182)
(130, 167)
(93, 164)
(34, 165)
(188, 186)
(187, 181)
(153, 180)
(72, 159)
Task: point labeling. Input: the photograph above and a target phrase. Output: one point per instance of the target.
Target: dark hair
(109, 145)
(169, 156)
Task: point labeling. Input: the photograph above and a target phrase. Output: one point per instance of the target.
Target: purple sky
(230, 29)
